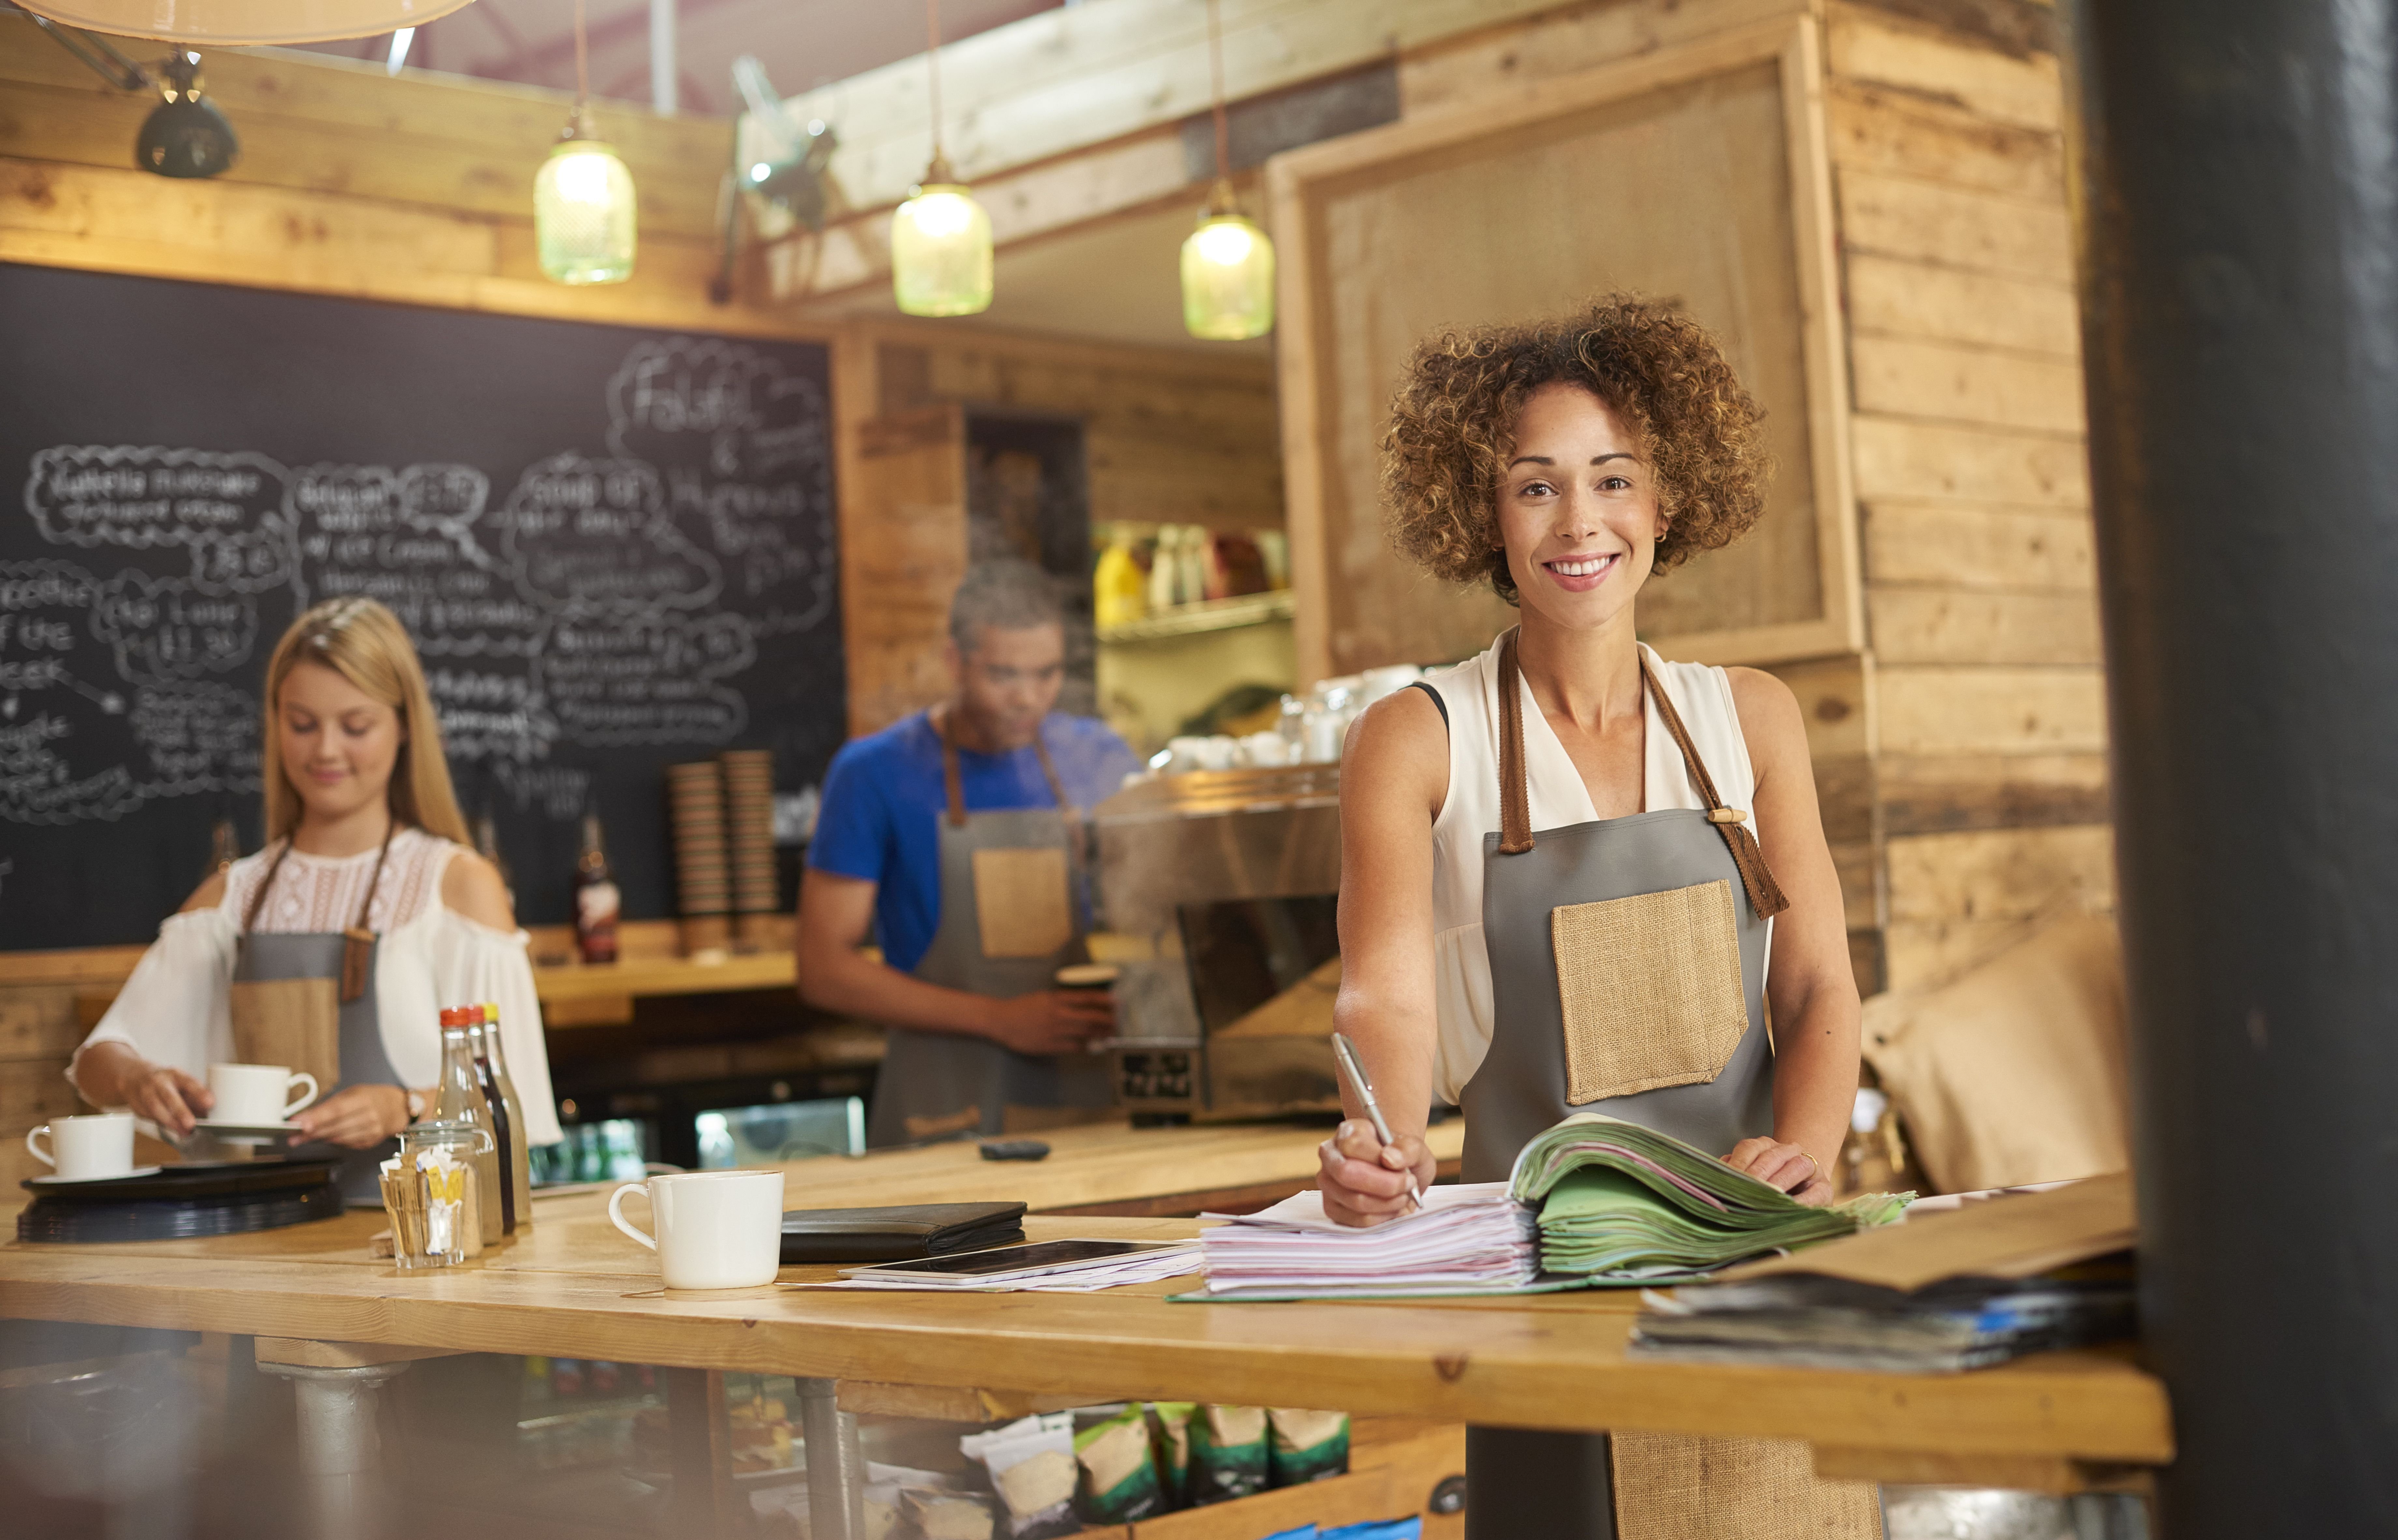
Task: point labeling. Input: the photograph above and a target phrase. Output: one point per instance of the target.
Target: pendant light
(583, 205)
(940, 237)
(220, 24)
(1227, 262)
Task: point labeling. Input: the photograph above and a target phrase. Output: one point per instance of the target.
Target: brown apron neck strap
(366, 905)
(953, 781)
(1765, 894)
(258, 897)
(1515, 799)
(1049, 773)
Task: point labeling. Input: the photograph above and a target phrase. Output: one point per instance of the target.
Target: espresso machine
(1219, 890)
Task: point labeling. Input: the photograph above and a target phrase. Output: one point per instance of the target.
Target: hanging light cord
(581, 59)
(1216, 67)
(932, 60)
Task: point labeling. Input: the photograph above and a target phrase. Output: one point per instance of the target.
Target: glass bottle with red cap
(461, 1100)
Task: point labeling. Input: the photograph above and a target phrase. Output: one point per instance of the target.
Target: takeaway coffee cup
(715, 1229)
(1097, 978)
(85, 1149)
(255, 1094)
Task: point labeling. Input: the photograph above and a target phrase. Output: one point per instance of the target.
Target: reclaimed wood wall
(1987, 695)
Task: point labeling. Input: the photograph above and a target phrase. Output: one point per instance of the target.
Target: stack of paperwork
(1471, 1239)
(1595, 1202)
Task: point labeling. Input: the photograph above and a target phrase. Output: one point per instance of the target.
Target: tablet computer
(1027, 1260)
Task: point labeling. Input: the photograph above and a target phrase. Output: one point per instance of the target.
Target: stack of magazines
(1979, 1284)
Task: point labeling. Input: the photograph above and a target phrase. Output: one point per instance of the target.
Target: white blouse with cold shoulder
(175, 1008)
(1469, 692)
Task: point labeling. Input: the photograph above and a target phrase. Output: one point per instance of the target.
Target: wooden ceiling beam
(1066, 80)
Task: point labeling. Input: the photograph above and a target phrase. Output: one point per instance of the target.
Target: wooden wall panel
(1916, 299)
(1958, 382)
(1872, 45)
(1993, 710)
(1938, 626)
(1959, 228)
(1976, 545)
(1898, 457)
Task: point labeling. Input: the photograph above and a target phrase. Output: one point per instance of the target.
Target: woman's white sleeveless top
(1460, 965)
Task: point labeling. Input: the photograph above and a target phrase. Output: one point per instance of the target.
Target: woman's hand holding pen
(1364, 1180)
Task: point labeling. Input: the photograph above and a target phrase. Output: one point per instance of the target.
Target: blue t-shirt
(883, 800)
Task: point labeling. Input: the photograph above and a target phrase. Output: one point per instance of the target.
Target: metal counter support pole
(2239, 228)
(836, 1464)
(340, 1446)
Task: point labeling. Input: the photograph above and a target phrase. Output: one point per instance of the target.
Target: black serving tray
(181, 1202)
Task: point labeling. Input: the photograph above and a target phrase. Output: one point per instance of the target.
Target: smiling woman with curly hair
(1562, 861)
(1656, 369)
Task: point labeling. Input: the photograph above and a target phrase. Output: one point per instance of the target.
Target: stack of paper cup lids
(749, 841)
(702, 881)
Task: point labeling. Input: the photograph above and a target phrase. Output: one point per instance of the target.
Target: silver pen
(1344, 1055)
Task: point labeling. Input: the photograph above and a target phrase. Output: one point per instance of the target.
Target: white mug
(87, 1149)
(254, 1093)
(715, 1229)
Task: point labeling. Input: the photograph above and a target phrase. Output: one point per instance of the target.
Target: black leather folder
(905, 1233)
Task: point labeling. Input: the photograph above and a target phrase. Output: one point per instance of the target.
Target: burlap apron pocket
(295, 1022)
(1670, 1486)
(1021, 902)
(1649, 989)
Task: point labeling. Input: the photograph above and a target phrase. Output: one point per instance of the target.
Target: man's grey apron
(1627, 972)
(307, 999)
(1011, 916)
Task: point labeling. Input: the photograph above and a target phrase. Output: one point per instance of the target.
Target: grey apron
(1569, 915)
(1711, 1079)
(307, 999)
(1011, 915)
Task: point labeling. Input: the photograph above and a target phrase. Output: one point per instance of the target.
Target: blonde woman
(335, 947)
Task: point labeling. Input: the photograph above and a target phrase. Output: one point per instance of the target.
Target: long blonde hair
(366, 644)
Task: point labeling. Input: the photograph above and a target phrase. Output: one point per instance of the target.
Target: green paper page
(1624, 1201)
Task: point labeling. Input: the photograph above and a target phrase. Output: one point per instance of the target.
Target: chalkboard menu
(614, 549)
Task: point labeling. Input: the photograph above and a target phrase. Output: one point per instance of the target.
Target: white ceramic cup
(255, 1094)
(87, 1149)
(715, 1229)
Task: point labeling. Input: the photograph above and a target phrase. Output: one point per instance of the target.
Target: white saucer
(56, 1180)
(246, 1131)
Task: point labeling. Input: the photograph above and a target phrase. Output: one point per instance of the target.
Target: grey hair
(1011, 594)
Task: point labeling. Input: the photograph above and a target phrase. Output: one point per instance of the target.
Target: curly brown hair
(1453, 423)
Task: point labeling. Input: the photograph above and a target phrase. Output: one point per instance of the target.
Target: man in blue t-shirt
(877, 861)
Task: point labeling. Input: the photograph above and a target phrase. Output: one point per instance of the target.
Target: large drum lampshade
(221, 23)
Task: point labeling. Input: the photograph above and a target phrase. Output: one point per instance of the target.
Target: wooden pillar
(2240, 293)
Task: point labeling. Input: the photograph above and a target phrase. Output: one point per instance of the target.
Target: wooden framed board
(1696, 175)
(615, 549)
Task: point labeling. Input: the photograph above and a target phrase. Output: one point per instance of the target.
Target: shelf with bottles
(1207, 615)
(1166, 580)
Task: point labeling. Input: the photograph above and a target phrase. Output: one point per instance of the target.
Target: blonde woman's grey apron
(1627, 972)
(307, 999)
(1011, 916)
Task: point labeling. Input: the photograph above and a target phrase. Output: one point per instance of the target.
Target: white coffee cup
(254, 1093)
(87, 1149)
(715, 1229)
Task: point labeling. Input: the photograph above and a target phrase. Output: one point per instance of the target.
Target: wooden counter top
(1100, 1164)
(573, 1287)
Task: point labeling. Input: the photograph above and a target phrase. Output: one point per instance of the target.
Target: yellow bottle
(1119, 590)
